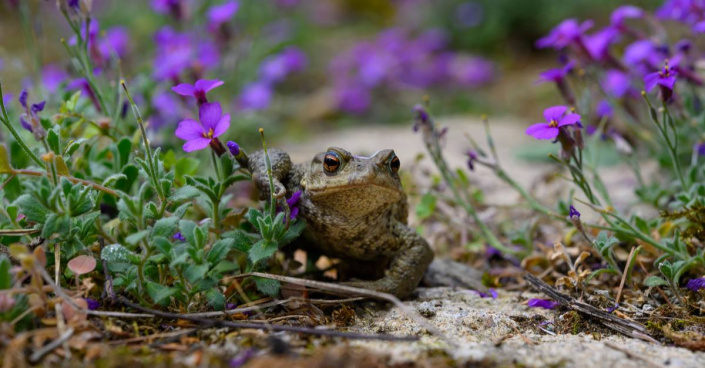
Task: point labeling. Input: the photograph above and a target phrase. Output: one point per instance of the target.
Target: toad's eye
(394, 163)
(331, 163)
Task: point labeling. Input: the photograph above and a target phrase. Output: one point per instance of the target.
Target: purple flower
(234, 148)
(353, 98)
(26, 124)
(74, 4)
(198, 90)
(23, 98)
(638, 52)
(242, 358)
(612, 308)
(177, 52)
(220, 14)
(471, 71)
(665, 79)
(542, 303)
(92, 304)
(230, 306)
(276, 67)
(573, 213)
(696, 284)
(256, 96)
(564, 34)
(172, 7)
(616, 83)
(625, 12)
(554, 120)
(598, 44)
(472, 157)
(292, 202)
(490, 293)
(52, 77)
(603, 110)
(199, 135)
(179, 236)
(116, 41)
(699, 148)
(556, 75)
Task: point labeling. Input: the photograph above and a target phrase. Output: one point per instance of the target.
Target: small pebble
(427, 309)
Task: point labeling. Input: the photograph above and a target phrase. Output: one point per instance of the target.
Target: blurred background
(300, 66)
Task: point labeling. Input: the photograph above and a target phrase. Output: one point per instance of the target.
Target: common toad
(356, 211)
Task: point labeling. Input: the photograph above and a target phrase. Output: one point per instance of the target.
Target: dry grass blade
(349, 290)
(628, 328)
(48, 348)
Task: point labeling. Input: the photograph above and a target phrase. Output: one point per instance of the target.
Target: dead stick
(48, 348)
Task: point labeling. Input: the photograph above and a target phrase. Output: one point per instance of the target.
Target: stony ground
(485, 331)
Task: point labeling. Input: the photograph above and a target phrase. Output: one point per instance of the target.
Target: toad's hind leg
(407, 267)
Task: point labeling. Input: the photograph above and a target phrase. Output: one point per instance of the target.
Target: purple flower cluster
(112, 42)
(30, 119)
(395, 60)
(181, 52)
(273, 70)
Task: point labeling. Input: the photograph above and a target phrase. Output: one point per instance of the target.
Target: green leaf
(243, 242)
(160, 293)
(195, 273)
(73, 146)
(185, 166)
(55, 223)
(185, 192)
(32, 208)
(219, 250)
(261, 250)
(165, 226)
(267, 286)
(118, 257)
(5, 274)
(5, 167)
(53, 141)
(215, 299)
(135, 238)
(113, 178)
(124, 147)
(293, 232)
(427, 206)
(73, 100)
(652, 281)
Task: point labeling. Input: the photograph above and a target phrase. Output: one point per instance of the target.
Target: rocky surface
(504, 332)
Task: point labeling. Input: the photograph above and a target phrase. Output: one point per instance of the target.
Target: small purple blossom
(353, 98)
(172, 7)
(556, 75)
(472, 157)
(616, 83)
(277, 67)
(564, 34)
(6, 302)
(197, 90)
(554, 120)
(612, 308)
(92, 304)
(26, 125)
(23, 98)
(256, 96)
(699, 148)
(696, 284)
(292, 202)
(52, 77)
(542, 303)
(234, 148)
(179, 236)
(491, 293)
(220, 14)
(199, 135)
(665, 77)
(574, 213)
(625, 12)
(598, 44)
(603, 110)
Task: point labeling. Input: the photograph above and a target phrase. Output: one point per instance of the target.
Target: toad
(356, 211)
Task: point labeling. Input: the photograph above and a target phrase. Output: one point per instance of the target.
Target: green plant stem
(533, 203)
(268, 165)
(215, 165)
(147, 148)
(6, 120)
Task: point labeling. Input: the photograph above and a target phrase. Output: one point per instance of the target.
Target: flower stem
(6, 120)
(268, 165)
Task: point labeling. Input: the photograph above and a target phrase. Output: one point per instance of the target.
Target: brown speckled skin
(357, 214)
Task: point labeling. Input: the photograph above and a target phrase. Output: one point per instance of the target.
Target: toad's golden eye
(394, 163)
(331, 163)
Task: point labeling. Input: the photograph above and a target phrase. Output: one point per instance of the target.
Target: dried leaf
(41, 256)
(82, 264)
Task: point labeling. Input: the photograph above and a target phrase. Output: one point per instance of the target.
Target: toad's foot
(444, 272)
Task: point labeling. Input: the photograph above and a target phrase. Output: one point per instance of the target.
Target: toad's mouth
(371, 188)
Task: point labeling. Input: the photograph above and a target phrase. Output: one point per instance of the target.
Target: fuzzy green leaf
(215, 299)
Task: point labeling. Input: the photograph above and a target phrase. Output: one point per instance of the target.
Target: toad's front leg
(281, 165)
(407, 267)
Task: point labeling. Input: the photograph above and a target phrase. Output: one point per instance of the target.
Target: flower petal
(650, 81)
(222, 126)
(554, 113)
(189, 129)
(542, 131)
(206, 85)
(209, 114)
(543, 303)
(569, 119)
(184, 89)
(196, 144)
(668, 82)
